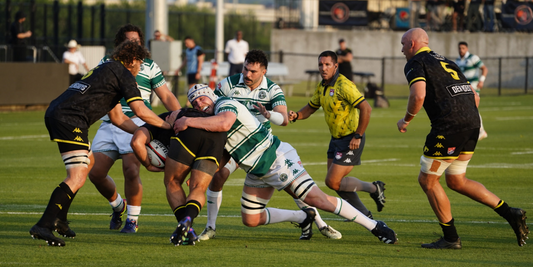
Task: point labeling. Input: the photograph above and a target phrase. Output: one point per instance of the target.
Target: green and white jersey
(249, 143)
(268, 93)
(469, 66)
(150, 77)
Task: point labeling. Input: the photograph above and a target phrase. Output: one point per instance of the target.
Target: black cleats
(63, 229)
(379, 195)
(384, 233)
(182, 231)
(517, 220)
(38, 232)
(307, 224)
(441, 243)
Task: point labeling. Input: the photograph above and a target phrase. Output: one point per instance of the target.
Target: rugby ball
(157, 153)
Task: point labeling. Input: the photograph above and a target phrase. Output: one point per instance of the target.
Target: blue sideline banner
(343, 13)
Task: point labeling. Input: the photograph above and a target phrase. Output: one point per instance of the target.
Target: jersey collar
(333, 80)
(423, 49)
(466, 55)
(263, 84)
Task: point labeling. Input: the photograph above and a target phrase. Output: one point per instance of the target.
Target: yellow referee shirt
(339, 100)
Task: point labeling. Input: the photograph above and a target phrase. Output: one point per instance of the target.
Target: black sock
(179, 212)
(502, 209)
(62, 215)
(354, 200)
(59, 202)
(450, 233)
(192, 209)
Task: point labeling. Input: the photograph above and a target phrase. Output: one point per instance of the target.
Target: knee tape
(231, 165)
(252, 204)
(433, 166)
(76, 159)
(302, 186)
(457, 167)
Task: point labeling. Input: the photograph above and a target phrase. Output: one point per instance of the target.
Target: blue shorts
(339, 150)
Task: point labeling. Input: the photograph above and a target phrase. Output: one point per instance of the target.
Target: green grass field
(30, 168)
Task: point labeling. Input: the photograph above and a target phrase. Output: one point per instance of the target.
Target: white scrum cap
(199, 90)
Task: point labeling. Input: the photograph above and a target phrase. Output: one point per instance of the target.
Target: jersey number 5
(452, 72)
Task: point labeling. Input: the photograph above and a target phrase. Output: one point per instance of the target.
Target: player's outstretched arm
(148, 116)
(140, 139)
(417, 96)
(277, 116)
(122, 121)
(168, 98)
(221, 122)
(302, 114)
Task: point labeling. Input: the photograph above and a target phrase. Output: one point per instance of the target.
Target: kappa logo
(295, 171)
(426, 149)
(78, 139)
(439, 145)
(437, 154)
(236, 92)
(338, 155)
(289, 163)
(77, 130)
(59, 206)
(451, 150)
(348, 160)
(349, 153)
(283, 177)
(440, 137)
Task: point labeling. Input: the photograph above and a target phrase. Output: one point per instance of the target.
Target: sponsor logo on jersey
(459, 89)
(338, 155)
(331, 92)
(451, 150)
(439, 145)
(283, 177)
(79, 86)
(77, 130)
(262, 95)
(78, 139)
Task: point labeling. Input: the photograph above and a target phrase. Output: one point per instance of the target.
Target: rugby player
(69, 117)
(438, 85)
(270, 164)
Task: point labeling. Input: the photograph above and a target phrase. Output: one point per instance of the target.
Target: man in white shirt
(74, 59)
(236, 49)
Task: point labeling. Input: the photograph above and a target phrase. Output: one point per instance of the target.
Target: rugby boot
(441, 243)
(191, 238)
(517, 220)
(63, 229)
(307, 224)
(116, 218)
(207, 234)
(329, 232)
(38, 232)
(379, 195)
(130, 227)
(180, 234)
(384, 233)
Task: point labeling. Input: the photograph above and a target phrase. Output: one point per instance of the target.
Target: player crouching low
(192, 151)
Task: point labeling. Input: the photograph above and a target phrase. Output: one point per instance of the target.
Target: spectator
(236, 49)
(432, 15)
(458, 16)
(194, 58)
(488, 14)
(74, 59)
(18, 37)
(159, 36)
(415, 6)
(474, 21)
(344, 58)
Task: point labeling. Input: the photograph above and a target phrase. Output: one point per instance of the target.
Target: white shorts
(287, 168)
(110, 138)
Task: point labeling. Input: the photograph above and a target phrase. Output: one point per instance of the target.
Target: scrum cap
(199, 90)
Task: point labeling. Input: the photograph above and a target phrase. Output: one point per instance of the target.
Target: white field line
(238, 216)
(517, 118)
(23, 137)
(522, 153)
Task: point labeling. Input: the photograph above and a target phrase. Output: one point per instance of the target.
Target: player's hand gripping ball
(157, 153)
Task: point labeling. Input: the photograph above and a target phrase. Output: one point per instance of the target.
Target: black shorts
(191, 78)
(68, 137)
(339, 150)
(194, 145)
(439, 146)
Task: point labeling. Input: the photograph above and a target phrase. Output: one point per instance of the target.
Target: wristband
(297, 116)
(406, 122)
(410, 113)
(482, 78)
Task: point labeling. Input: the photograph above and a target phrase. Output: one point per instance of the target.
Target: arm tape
(276, 118)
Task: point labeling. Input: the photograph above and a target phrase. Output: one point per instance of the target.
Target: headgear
(199, 90)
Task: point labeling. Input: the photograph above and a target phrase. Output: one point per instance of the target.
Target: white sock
(318, 220)
(279, 215)
(481, 129)
(117, 204)
(134, 212)
(214, 199)
(344, 209)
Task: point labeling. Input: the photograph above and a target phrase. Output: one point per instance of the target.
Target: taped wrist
(276, 118)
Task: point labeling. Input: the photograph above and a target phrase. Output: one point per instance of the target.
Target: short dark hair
(128, 51)
(120, 37)
(341, 40)
(19, 15)
(187, 38)
(257, 56)
(463, 43)
(329, 53)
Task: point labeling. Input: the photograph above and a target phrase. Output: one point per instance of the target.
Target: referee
(438, 85)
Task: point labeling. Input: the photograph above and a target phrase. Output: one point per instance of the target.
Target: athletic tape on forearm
(276, 118)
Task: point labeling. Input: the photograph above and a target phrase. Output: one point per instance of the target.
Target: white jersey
(77, 59)
(268, 93)
(249, 143)
(469, 65)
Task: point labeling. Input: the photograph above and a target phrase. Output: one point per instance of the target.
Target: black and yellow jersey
(450, 102)
(339, 100)
(99, 91)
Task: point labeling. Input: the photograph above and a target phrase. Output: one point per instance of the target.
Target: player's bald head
(413, 40)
